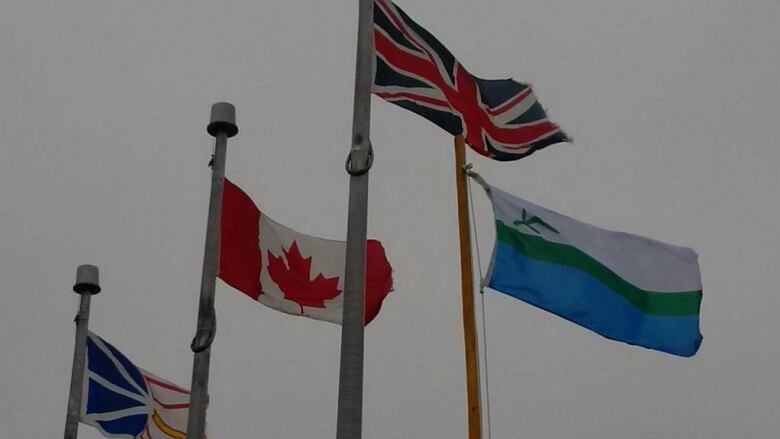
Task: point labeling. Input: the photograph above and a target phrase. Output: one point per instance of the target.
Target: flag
(500, 119)
(124, 401)
(290, 271)
(622, 286)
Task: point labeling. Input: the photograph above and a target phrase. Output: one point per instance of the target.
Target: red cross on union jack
(501, 119)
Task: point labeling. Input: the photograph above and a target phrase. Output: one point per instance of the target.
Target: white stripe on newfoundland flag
(622, 286)
(288, 271)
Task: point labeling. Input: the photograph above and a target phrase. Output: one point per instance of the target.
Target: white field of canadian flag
(290, 271)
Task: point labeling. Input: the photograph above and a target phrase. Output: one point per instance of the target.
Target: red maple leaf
(293, 279)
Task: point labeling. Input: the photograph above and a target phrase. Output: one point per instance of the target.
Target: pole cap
(87, 280)
(223, 119)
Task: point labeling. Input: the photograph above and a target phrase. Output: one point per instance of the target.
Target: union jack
(500, 119)
(122, 400)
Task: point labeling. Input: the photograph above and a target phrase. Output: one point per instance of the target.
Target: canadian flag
(290, 271)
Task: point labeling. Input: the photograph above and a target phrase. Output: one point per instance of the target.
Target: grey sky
(673, 106)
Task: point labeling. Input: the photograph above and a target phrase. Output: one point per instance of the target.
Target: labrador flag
(625, 287)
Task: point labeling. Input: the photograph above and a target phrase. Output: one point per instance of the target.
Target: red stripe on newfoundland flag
(287, 270)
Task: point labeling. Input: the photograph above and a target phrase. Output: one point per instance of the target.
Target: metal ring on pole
(361, 168)
(205, 334)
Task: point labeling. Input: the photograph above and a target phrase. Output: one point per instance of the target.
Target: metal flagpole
(87, 284)
(350, 406)
(467, 293)
(222, 126)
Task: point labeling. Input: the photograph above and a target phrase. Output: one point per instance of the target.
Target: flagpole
(87, 284)
(467, 293)
(350, 405)
(222, 126)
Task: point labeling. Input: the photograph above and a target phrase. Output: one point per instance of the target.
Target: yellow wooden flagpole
(467, 292)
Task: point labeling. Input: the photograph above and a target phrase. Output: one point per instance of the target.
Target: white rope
(469, 172)
(475, 176)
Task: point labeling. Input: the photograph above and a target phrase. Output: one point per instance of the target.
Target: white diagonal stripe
(116, 414)
(418, 41)
(118, 364)
(116, 389)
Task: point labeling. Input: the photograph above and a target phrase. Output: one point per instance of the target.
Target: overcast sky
(673, 105)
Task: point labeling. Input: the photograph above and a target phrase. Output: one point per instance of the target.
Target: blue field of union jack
(500, 119)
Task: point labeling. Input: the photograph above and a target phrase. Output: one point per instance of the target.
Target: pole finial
(87, 280)
(223, 119)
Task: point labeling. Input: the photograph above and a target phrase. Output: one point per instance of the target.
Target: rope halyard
(467, 169)
(478, 178)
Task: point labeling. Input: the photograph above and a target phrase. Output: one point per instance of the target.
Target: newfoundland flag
(500, 119)
(288, 271)
(622, 286)
(122, 400)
